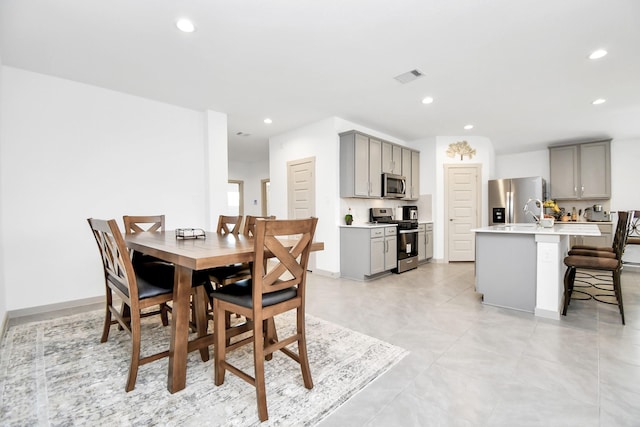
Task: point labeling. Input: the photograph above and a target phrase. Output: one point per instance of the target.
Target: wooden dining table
(189, 255)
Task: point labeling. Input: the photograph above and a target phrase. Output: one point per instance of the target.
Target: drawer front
(422, 228)
(391, 231)
(377, 232)
(428, 227)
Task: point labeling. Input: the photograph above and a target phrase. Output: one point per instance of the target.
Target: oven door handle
(408, 231)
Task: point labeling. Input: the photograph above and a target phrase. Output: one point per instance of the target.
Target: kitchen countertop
(582, 228)
(368, 225)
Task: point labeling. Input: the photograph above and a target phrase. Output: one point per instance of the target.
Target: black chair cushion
(591, 262)
(239, 293)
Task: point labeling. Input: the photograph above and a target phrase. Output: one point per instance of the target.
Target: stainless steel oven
(407, 249)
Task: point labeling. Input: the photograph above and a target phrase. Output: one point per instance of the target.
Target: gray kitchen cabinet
(366, 252)
(391, 158)
(581, 171)
(605, 239)
(425, 242)
(360, 165)
(415, 175)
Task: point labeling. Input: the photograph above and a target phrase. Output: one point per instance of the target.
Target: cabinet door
(429, 244)
(377, 255)
(375, 168)
(422, 247)
(361, 166)
(391, 252)
(387, 157)
(415, 175)
(564, 172)
(406, 171)
(595, 175)
(397, 159)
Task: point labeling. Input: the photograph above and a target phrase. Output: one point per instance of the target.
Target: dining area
(198, 276)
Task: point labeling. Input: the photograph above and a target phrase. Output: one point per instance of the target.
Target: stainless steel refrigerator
(507, 198)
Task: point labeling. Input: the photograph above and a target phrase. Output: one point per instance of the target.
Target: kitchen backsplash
(580, 205)
(360, 207)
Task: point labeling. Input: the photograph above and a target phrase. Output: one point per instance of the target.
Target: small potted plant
(348, 218)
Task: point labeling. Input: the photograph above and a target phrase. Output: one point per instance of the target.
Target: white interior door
(301, 192)
(462, 200)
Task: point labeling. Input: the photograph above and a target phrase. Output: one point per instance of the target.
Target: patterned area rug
(56, 372)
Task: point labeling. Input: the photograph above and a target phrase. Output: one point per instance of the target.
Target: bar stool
(601, 264)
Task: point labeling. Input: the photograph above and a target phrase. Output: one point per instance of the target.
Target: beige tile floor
(476, 365)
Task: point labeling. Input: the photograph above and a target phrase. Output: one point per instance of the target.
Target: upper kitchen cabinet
(411, 171)
(360, 165)
(581, 171)
(363, 160)
(391, 158)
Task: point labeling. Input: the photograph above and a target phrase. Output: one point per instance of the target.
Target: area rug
(56, 372)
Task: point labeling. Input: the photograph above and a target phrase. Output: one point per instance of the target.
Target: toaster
(596, 216)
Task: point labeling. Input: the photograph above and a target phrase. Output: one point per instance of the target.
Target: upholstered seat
(277, 286)
(138, 293)
(599, 262)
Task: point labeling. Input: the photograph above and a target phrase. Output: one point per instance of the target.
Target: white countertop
(582, 229)
(368, 225)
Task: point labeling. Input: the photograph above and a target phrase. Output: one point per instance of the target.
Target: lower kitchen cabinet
(605, 239)
(425, 241)
(366, 251)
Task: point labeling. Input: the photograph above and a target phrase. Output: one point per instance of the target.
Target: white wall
(3, 292)
(532, 163)
(252, 174)
(317, 140)
(72, 151)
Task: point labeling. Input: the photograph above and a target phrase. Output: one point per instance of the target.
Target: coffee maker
(409, 212)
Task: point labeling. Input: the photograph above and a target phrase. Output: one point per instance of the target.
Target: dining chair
(151, 267)
(276, 287)
(222, 276)
(138, 293)
(250, 224)
(224, 221)
(600, 265)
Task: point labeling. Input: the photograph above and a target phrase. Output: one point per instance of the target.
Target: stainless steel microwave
(393, 185)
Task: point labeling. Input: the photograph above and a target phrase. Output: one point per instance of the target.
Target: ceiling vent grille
(409, 76)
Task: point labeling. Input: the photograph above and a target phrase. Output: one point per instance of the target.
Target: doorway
(301, 193)
(462, 199)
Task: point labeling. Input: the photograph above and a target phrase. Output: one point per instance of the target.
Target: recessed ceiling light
(468, 127)
(268, 121)
(427, 100)
(599, 101)
(185, 25)
(597, 54)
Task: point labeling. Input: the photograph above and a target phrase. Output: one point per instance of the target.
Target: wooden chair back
(138, 224)
(118, 268)
(287, 267)
(225, 221)
(250, 224)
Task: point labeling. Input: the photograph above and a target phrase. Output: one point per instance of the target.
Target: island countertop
(559, 229)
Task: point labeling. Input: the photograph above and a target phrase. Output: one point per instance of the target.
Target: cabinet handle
(575, 191)
(581, 194)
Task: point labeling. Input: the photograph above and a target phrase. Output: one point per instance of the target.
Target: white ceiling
(517, 70)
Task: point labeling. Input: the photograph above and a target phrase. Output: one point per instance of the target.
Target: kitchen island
(520, 266)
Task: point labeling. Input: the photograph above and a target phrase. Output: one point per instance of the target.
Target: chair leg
(569, 277)
(163, 314)
(107, 318)
(200, 314)
(302, 349)
(618, 291)
(220, 349)
(135, 353)
(258, 360)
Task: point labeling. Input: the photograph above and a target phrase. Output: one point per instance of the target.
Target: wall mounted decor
(462, 148)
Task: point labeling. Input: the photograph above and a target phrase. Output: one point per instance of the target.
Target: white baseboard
(325, 273)
(4, 324)
(50, 308)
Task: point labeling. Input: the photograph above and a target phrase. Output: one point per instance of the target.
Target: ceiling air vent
(409, 76)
